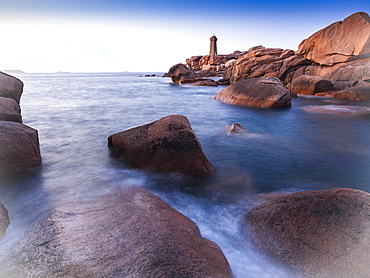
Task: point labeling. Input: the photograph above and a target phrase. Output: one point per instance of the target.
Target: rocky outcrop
(10, 110)
(19, 147)
(339, 52)
(127, 234)
(358, 93)
(266, 92)
(342, 75)
(310, 85)
(208, 82)
(19, 144)
(4, 220)
(266, 62)
(211, 65)
(340, 42)
(10, 87)
(181, 75)
(166, 145)
(321, 233)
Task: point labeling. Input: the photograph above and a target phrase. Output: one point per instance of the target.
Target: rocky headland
(333, 62)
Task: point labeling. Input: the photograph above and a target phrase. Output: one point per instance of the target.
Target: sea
(317, 143)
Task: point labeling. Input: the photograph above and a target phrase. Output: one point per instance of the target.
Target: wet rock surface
(131, 233)
(322, 233)
(166, 145)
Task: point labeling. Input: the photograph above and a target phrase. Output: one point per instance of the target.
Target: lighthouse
(213, 49)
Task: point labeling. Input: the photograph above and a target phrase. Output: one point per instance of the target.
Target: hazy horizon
(41, 36)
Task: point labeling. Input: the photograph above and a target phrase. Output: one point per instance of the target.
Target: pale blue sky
(149, 36)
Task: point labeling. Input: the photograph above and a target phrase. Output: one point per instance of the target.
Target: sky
(150, 36)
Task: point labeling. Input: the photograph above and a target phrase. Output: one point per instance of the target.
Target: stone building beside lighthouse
(213, 48)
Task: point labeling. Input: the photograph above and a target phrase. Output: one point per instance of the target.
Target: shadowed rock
(19, 147)
(180, 74)
(166, 145)
(310, 85)
(359, 93)
(323, 233)
(10, 110)
(266, 92)
(10, 87)
(4, 220)
(128, 234)
(339, 42)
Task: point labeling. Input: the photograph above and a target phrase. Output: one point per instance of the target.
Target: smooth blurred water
(318, 143)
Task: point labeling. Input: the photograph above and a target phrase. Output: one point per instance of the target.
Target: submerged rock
(19, 147)
(129, 234)
(10, 87)
(310, 85)
(4, 220)
(166, 145)
(265, 92)
(340, 42)
(323, 233)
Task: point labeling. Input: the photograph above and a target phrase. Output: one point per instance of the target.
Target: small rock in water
(236, 128)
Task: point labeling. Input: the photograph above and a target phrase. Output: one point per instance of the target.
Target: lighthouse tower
(213, 49)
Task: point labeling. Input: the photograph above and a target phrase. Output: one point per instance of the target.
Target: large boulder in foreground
(323, 233)
(310, 85)
(4, 220)
(10, 110)
(265, 92)
(340, 42)
(19, 147)
(10, 87)
(132, 233)
(166, 145)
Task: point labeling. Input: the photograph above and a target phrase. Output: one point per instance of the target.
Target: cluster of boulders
(133, 233)
(212, 65)
(19, 144)
(333, 62)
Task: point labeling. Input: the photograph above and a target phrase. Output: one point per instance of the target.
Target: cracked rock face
(339, 42)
